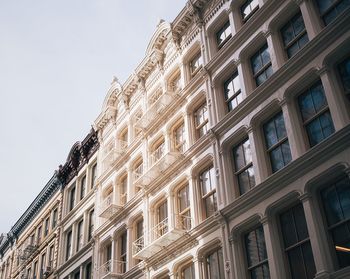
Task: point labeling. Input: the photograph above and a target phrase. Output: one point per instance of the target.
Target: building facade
(226, 154)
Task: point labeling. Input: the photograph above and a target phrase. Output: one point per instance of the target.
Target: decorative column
(272, 47)
(198, 262)
(188, 129)
(258, 174)
(195, 200)
(113, 255)
(311, 18)
(241, 78)
(129, 238)
(318, 238)
(81, 272)
(275, 257)
(237, 257)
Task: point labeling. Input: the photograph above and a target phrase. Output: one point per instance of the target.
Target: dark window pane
(276, 157)
(280, 128)
(318, 96)
(343, 190)
(300, 222)
(327, 124)
(296, 263)
(288, 229)
(270, 133)
(256, 62)
(239, 157)
(314, 132)
(308, 260)
(287, 156)
(331, 205)
(344, 70)
(265, 56)
(306, 106)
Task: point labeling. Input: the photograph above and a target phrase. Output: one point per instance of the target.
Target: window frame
(196, 59)
(252, 12)
(211, 193)
(264, 67)
(203, 124)
(222, 30)
(187, 210)
(237, 93)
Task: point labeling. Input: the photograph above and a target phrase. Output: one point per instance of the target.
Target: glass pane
(260, 79)
(306, 106)
(344, 70)
(288, 229)
(265, 55)
(287, 33)
(298, 24)
(327, 124)
(236, 83)
(276, 158)
(323, 5)
(314, 131)
(308, 260)
(343, 189)
(229, 90)
(256, 63)
(330, 16)
(331, 205)
(280, 128)
(296, 264)
(183, 197)
(244, 182)
(318, 96)
(303, 41)
(251, 249)
(270, 133)
(247, 152)
(210, 205)
(239, 157)
(269, 71)
(287, 156)
(261, 243)
(300, 222)
(342, 250)
(293, 49)
(205, 179)
(341, 236)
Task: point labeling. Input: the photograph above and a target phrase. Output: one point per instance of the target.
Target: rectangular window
(82, 187)
(344, 71)
(179, 138)
(39, 234)
(249, 8)
(35, 270)
(208, 191)
(91, 224)
(43, 263)
(215, 265)
(297, 245)
(51, 255)
(162, 219)
(277, 142)
(88, 273)
(47, 226)
(256, 254)
(195, 64)
(315, 114)
(294, 35)
(244, 166)
(188, 272)
(223, 35)
(184, 211)
(54, 218)
(93, 175)
(201, 120)
(330, 9)
(71, 198)
(80, 239)
(123, 249)
(261, 65)
(336, 204)
(68, 245)
(77, 275)
(124, 190)
(232, 92)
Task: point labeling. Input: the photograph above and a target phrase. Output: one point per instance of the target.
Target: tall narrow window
(123, 249)
(297, 245)
(91, 224)
(215, 265)
(261, 65)
(43, 263)
(51, 255)
(208, 191)
(80, 238)
(249, 8)
(124, 190)
(47, 226)
(35, 270)
(82, 187)
(315, 114)
(223, 35)
(344, 71)
(329, 10)
(138, 169)
(201, 120)
(187, 272)
(244, 166)
(68, 244)
(39, 234)
(184, 211)
(179, 138)
(232, 91)
(255, 249)
(139, 242)
(71, 198)
(277, 142)
(54, 218)
(195, 64)
(88, 273)
(162, 219)
(294, 35)
(93, 175)
(336, 204)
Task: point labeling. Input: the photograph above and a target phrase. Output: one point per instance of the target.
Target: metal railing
(157, 154)
(138, 245)
(112, 152)
(138, 172)
(112, 267)
(108, 201)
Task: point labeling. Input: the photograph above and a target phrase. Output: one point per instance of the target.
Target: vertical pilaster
(257, 166)
(311, 18)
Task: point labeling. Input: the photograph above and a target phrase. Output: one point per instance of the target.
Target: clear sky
(57, 59)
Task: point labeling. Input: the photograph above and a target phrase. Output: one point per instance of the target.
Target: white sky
(57, 59)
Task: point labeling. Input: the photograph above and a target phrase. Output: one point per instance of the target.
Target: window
(183, 206)
(39, 234)
(277, 142)
(344, 71)
(80, 239)
(138, 169)
(261, 65)
(54, 218)
(187, 272)
(208, 191)
(215, 265)
(88, 273)
(91, 224)
(158, 151)
(195, 64)
(256, 254)
(330, 9)
(139, 242)
(68, 244)
(123, 249)
(162, 219)
(76, 275)
(179, 138)
(29, 273)
(47, 225)
(124, 190)
(244, 171)
(223, 35)
(249, 8)
(201, 120)
(155, 96)
(51, 255)
(82, 187)
(71, 198)
(297, 245)
(93, 175)
(315, 114)
(43, 263)
(294, 35)
(232, 92)
(336, 203)
(35, 270)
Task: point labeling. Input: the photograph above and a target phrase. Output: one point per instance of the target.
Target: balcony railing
(109, 207)
(161, 235)
(159, 162)
(112, 269)
(153, 112)
(113, 151)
